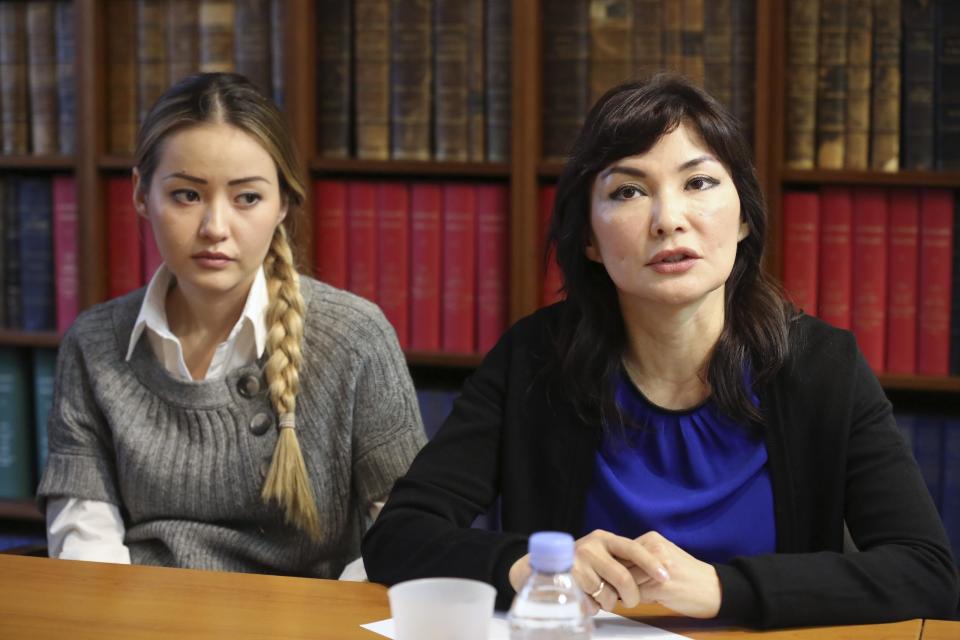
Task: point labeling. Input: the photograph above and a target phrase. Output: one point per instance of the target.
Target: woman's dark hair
(628, 120)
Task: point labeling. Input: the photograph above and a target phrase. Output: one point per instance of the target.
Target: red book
(801, 240)
(426, 258)
(492, 207)
(902, 256)
(552, 279)
(330, 229)
(459, 268)
(362, 239)
(123, 239)
(936, 253)
(393, 231)
(151, 253)
(836, 255)
(66, 258)
(869, 301)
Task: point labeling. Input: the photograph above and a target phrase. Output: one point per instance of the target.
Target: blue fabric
(694, 476)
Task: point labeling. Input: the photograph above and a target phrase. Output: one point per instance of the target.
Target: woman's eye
(627, 192)
(186, 196)
(700, 183)
(249, 199)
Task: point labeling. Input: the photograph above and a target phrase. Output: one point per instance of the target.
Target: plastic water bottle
(550, 605)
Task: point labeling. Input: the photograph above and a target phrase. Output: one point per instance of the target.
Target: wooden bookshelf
(23, 510)
(36, 163)
(14, 338)
(410, 168)
(947, 179)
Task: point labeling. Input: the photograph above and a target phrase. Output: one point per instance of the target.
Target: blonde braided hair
(287, 482)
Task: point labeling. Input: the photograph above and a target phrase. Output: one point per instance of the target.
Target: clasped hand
(647, 569)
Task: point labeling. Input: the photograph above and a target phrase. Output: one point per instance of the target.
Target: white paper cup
(441, 609)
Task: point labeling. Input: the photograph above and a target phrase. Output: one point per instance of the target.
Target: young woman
(704, 440)
(234, 415)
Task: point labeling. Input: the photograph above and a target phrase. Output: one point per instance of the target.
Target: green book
(16, 461)
(44, 365)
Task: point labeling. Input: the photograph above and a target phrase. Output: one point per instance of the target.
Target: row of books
(39, 260)
(872, 83)
(590, 46)
(935, 442)
(37, 90)
(414, 80)
(432, 255)
(880, 262)
(26, 395)
(150, 44)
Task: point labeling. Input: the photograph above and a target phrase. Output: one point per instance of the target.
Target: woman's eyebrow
(640, 173)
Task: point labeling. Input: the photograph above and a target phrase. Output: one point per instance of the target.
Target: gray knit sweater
(185, 461)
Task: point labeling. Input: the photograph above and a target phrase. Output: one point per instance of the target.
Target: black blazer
(834, 451)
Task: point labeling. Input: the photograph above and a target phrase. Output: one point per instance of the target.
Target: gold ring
(599, 589)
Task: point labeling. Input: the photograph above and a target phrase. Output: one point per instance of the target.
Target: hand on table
(693, 588)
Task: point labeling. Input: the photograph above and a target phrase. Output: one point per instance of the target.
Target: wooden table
(58, 599)
(940, 630)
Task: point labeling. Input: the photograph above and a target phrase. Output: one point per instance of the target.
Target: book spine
(497, 59)
(885, 103)
(917, 83)
(371, 54)
(217, 23)
(151, 54)
(647, 38)
(450, 126)
(856, 145)
(66, 87)
(955, 306)
(16, 468)
(362, 250)
(492, 207)
(565, 57)
(947, 88)
(903, 246)
(66, 251)
(3, 250)
(44, 368)
(869, 302)
(803, 27)
(252, 51)
(121, 78)
(278, 56)
(672, 36)
(611, 35)
(836, 255)
(410, 79)
(832, 84)
(950, 499)
(333, 78)
(718, 50)
(149, 251)
(123, 239)
(14, 92)
(426, 201)
(927, 450)
(476, 92)
(692, 40)
(459, 268)
(801, 241)
(936, 258)
(393, 230)
(552, 281)
(42, 78)
(744, 63)
(183, 37)
(11, 228)
(36, 251)
(330, 227)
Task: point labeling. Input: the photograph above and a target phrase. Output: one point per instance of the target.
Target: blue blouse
(695, 476)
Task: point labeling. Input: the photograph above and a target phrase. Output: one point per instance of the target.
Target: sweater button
(248, 385)
(260, 424)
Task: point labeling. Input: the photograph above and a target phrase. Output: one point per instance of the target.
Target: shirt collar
(153, 311)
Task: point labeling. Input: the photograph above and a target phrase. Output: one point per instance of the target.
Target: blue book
(35, 206)
(16, 447)
(13, 317)
(950, 509)
(44, 366)
(927, 448)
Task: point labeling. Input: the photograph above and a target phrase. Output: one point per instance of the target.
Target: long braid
(287, 482)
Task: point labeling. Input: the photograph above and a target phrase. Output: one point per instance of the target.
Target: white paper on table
(605, 625)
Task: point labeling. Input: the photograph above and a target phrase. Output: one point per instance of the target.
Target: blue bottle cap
(551, 551)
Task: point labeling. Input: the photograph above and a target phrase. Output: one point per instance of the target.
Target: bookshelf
(525, 172)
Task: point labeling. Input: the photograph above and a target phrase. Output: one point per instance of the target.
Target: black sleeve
(903, 568)
(424, 529)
